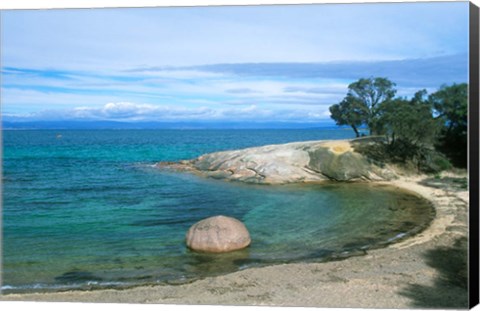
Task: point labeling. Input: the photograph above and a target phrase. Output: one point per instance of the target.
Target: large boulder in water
(218, 234)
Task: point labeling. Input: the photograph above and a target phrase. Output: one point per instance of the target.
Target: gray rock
(311, 161)
(218, 234)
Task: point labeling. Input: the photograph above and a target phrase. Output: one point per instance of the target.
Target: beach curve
(398, 276)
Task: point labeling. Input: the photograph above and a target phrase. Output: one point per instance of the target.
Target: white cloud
(26, 91)
(126, 111)
(285, 89)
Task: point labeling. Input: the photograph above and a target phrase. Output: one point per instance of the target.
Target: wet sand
(428, 270)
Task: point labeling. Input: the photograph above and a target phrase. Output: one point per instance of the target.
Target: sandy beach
(428, 270)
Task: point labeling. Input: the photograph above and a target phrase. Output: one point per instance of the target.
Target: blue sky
(242, 64)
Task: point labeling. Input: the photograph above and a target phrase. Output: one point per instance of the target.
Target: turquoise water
(88, 209)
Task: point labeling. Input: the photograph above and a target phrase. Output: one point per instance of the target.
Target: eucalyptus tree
(450, 104)
(349, 112)
(410, 122)
(362, 105)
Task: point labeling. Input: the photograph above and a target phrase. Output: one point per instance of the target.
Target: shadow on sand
(450, 288)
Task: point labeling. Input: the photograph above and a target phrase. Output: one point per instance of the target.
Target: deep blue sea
(86, 209)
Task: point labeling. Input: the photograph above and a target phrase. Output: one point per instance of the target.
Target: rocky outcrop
(294, 162)
(218, 234)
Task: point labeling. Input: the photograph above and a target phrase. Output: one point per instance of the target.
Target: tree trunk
(355, 130)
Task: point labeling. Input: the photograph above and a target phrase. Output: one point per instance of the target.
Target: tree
(372, 93)
(450, 104)
(416, 129)
(409, 121)
(365, 96)
(411, 132)
(349, 112)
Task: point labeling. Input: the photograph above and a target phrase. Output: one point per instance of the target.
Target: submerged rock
(294, 162)
(218, 234)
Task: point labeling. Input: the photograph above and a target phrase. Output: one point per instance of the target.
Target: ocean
(86, 209)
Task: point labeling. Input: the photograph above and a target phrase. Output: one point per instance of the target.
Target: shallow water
(90, 210)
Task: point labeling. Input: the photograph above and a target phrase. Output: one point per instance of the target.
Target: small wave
(398, 236)
(60, 287)
(143, 164)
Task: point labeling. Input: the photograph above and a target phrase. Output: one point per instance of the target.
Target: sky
(221, 64)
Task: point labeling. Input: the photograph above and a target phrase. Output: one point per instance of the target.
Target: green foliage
(439, 163)
(362, 103)
(349, 112)
(371, 94)
(433, 162)
(408, 156)
(412, 132)
(410, 121)
(450, 104)
(414, 128)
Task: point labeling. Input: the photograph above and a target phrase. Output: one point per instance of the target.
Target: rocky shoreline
(312, 161)
(427, 270)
